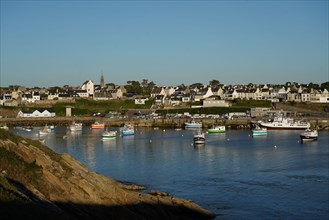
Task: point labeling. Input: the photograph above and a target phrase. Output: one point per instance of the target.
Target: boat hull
(190, 125)
(127, 133)
(100, 126)
(306, 139)
(216, 130)
(108, 137)
(259, 133)
(273, 127)
(199, 140)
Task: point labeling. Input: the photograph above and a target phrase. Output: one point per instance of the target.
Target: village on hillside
(214, 94)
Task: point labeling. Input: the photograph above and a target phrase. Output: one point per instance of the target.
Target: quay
(245, 123)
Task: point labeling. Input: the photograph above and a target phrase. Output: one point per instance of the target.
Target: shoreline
(319, 123)
(64, 188)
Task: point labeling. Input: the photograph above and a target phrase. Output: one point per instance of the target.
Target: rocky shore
(37, 183)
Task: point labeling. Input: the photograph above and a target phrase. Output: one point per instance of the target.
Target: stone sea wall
(319, 123)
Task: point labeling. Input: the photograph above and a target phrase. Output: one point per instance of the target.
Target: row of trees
(137, 88)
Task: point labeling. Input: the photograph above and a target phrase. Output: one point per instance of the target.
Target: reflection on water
(233, 174)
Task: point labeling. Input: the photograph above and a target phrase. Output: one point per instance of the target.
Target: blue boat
(193, 124)
(127, 130)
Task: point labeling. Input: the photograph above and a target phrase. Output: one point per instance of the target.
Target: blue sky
(56, 43)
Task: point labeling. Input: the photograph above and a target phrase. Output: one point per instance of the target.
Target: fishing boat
(127, 130)
(108, 135)
(199, 138)
(193, 124)
(216, 129)
(309, 135)
(75, 126)
(97, 125)
(281, 122)
(259, 131)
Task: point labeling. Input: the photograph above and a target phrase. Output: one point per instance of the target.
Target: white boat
(76, 126)
(216, 129)
(199, 138)
(108, 135)
(284, 123)
(127, 130)
(45, 130)
(27, 129)
(309, 135)
(5, 127)
(259, 131)
(193, 124)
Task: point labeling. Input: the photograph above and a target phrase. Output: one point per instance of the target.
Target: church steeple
(102, 80)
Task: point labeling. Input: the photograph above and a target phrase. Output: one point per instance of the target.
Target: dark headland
(37, 183)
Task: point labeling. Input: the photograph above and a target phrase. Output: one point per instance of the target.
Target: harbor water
(235, 175)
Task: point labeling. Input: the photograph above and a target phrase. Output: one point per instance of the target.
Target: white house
(31, 97)
(89, 86)
(169, 91)
(158, 91)
(186, 97)
(140, 101)
(35, 96)
(215, 103)
(82, 93)
(27, 98)
(203, 94)
(35, 114)
(305, 96)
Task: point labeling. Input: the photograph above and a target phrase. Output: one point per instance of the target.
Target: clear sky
(56, 43)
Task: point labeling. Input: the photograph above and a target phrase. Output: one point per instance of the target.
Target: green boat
(216, 129)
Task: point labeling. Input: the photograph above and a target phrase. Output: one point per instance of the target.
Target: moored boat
(5, 127)
(193, 124)
(97, 125)
(127, 130)
(199, 138)
(76, 126)
(46, 130)
(259, 131)
(216, 129)
(309, 135)
(108, 135)
(284, 123)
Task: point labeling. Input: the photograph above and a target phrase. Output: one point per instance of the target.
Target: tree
(313, 85)
(196, 85)
(134, 87)
(214, 84)
(325, 86)
(144, 83)
(149, 88)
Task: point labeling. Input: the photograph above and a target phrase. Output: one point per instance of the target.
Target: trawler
(282, 122)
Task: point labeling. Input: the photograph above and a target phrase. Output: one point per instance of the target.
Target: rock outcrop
(41, 183)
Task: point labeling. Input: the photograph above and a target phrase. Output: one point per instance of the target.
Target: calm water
(234, 175)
